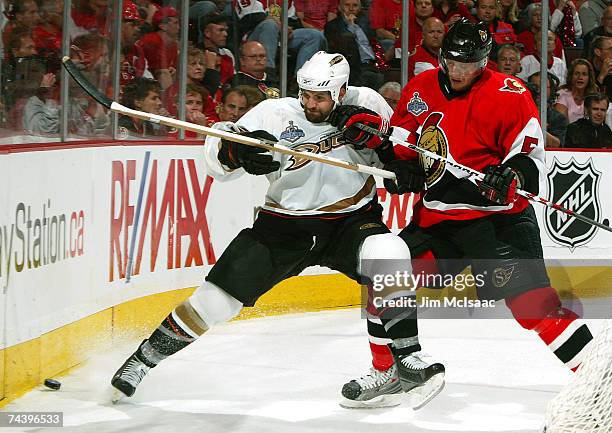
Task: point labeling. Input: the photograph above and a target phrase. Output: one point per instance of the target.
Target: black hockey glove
(500, 184)
(410, 176)
(254, 160)
(345, 116)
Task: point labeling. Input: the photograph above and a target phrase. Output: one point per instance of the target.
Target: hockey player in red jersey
(487, 121)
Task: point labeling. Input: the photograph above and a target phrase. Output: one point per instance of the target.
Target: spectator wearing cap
(527, 38)
(349, 34)
(502, 33)
(133, 61)
(253, 70)
(605, 29)
(425, 56)
(215, 31)
(555, 65)
(590, 13)
(161, 46)
(591, 131)
(509, 59)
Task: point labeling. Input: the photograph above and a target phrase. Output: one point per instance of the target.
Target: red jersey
(387, 14)
(159, 54)
(133, 64)
(420, 61)
(476, 129)
(461, 11)
(315, 13)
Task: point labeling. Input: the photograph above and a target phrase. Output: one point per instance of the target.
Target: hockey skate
(420, 377)
(128, 377)
(376, 389)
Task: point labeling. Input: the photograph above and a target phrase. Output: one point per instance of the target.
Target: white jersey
(303, 187)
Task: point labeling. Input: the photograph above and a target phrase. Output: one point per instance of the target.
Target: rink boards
(68, 222)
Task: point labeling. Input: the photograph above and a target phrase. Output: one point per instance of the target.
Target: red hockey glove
(500, 184)
(345, 116)
(234, 155)
(410, 176)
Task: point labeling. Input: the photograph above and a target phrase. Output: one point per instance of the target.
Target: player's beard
(316, 116)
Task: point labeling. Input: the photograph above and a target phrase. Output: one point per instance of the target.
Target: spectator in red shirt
(502, 33)
(215, 32)
(386, 20)
(133, 62)
(425, 56)
(451, 11)
(161, 46)
(92, 15)
(527, 38)
(48, 34)
(315, 14)
(199, 109)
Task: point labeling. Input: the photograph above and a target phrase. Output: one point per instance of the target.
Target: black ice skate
(420, 377)
(129, 376)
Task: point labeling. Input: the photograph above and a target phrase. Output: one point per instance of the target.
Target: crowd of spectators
(233, 57)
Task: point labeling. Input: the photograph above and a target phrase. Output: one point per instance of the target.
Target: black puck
(53, 384)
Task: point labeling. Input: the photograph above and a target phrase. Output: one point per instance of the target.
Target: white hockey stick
(480, 176)
(91, 90)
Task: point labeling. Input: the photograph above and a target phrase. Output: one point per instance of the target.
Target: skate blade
(387, 400)
(420, 396)
(117, 396)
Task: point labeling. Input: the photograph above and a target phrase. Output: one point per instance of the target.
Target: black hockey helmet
(466, 42)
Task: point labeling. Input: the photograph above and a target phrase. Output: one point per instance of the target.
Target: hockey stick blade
(479, 176)
(91, 90)
(88, 87)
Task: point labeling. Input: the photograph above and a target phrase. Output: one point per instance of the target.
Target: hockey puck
(53, 384)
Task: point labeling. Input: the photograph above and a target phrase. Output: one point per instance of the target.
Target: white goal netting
(585, 405)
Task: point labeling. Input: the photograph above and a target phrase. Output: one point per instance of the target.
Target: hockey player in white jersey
(314, 214)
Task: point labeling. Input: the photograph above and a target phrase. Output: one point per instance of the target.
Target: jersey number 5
(529, 143)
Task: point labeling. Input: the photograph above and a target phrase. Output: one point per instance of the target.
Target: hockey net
(585, 405)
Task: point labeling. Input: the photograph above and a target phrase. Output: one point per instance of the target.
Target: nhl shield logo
(575, 187)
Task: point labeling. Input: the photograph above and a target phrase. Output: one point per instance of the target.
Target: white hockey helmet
(324, 72)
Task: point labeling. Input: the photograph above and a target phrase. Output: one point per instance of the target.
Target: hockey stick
(480, 176)
(92, 91)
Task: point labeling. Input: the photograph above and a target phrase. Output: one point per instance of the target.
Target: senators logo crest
(512, 85)
(433, 139)
(501, 276)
